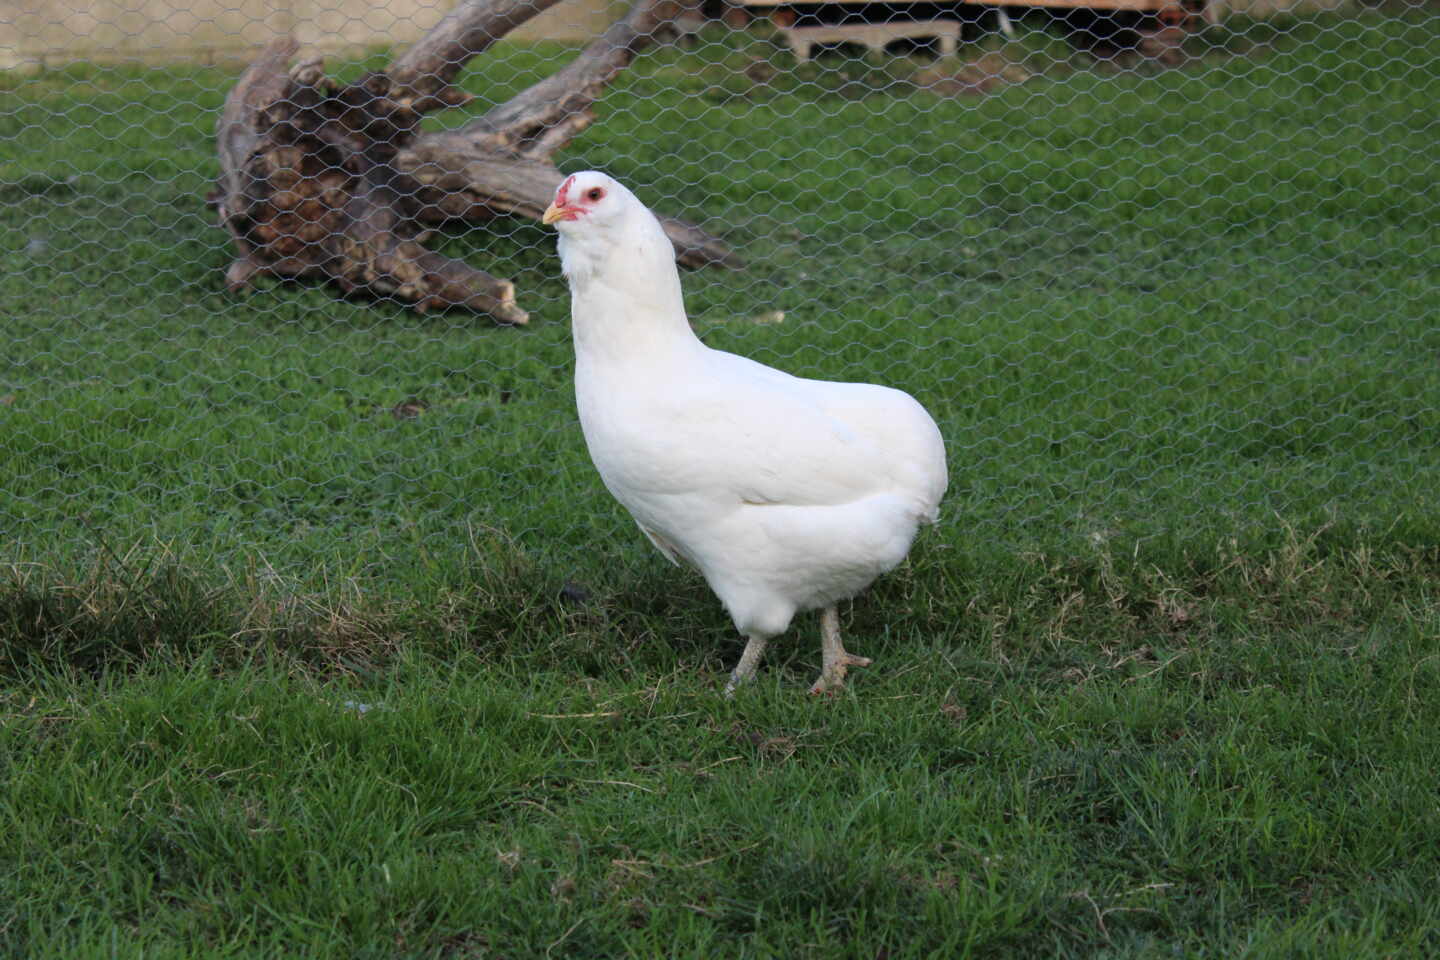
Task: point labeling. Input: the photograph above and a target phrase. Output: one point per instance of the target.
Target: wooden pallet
(1140, 5)
(1174, 18)
(875, 36)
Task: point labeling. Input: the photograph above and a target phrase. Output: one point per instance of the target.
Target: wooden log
(337, 181)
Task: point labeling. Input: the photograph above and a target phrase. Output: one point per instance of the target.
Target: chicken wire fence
(1163, 269)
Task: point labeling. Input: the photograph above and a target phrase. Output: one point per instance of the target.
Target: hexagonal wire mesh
(1156, 269)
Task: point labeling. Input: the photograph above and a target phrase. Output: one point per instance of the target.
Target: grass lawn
(288, 674)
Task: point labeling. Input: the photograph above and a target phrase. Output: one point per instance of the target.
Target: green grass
(1164, 682)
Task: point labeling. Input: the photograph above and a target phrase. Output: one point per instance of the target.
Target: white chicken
(787, 494)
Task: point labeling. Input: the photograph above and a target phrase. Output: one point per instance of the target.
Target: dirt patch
(984, 74)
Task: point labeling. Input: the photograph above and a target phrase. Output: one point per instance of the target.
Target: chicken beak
(552, 213)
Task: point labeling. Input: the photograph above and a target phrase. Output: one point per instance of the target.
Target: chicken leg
(749, 660)
(834, 659)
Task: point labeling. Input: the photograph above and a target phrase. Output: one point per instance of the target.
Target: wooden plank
(872, 35)
(1141, 5)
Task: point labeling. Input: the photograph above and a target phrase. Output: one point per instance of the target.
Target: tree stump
(324, 180)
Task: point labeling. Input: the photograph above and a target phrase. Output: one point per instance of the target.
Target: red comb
(560, 195)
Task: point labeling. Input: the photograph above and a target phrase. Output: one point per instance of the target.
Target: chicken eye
(594, 194)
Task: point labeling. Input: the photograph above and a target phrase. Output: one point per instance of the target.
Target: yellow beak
(552, 213)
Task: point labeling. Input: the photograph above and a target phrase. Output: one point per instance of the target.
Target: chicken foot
(834, 659)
